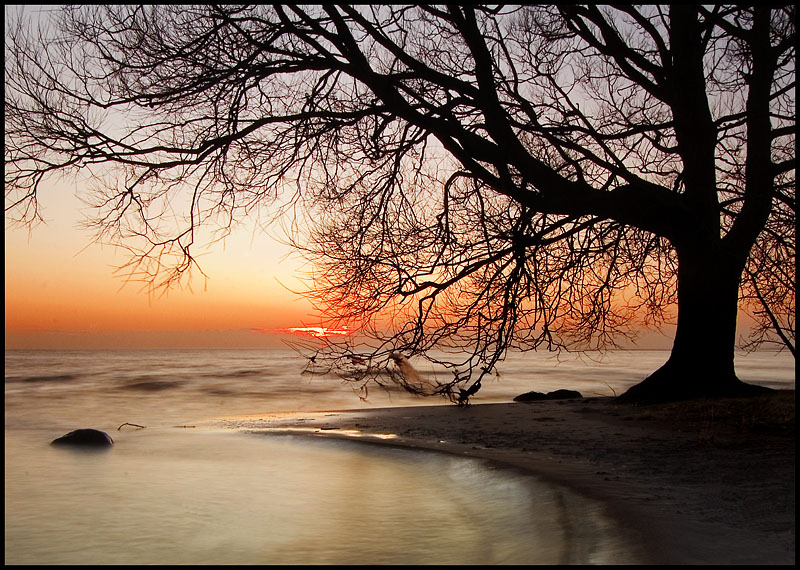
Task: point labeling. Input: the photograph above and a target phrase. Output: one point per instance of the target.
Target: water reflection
(193, 497)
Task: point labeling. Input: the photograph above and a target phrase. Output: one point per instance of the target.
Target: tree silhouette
(466, 180)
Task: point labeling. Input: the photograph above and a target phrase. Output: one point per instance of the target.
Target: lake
(173, 494)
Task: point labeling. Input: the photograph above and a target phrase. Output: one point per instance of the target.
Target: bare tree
(466, 180)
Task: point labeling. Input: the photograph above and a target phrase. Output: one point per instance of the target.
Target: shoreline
(700, 482)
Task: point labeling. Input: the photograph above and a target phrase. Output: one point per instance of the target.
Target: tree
(465, 179)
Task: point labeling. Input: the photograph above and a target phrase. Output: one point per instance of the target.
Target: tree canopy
(465, 180)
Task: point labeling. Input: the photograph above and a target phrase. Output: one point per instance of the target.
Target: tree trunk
(701, 362)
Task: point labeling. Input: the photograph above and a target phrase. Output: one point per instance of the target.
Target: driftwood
(130, 424)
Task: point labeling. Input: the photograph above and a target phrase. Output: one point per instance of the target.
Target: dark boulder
(555, 395)
(530, 397)
(563, 394)
(85, 438)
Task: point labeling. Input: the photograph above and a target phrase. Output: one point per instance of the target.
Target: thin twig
(130, 424)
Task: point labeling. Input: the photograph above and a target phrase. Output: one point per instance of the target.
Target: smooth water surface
(56, 389)
(201, 497)
(168, 494)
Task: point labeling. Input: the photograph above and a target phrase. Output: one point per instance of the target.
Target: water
(170, 494)
(227, 498)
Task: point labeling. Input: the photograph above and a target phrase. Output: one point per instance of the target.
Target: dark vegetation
(464, 180)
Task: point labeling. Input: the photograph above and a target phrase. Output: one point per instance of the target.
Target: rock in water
(530, 397)
(563, 394)
(85, 438)
(555, 395)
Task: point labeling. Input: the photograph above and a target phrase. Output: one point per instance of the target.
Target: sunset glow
(61, 290)
(317, 332)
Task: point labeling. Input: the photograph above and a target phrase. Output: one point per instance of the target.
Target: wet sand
(702, 482)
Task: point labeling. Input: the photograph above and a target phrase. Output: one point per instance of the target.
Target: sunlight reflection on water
(199, 497)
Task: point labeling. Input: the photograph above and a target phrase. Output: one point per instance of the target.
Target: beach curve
(699, 482)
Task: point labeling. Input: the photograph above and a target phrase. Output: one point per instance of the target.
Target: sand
(702, 482)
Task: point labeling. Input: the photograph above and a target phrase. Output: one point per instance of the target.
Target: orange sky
(59, 293)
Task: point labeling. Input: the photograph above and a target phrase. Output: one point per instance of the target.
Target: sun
(317, 332)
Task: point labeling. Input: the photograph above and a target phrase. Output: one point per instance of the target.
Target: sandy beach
(701, 482)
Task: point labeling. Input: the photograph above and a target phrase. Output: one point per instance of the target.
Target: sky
(61, 290)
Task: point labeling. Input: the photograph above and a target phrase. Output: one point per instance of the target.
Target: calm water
(170, 494)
